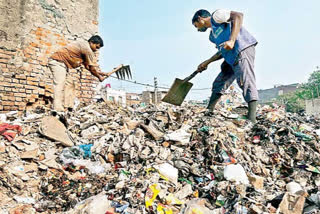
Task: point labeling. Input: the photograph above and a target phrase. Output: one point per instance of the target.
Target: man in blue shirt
(237, 46)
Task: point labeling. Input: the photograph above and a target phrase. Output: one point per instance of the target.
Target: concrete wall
(133, 99)
(148, 97)
(116, 96)
(30, 31)
(313, 107)
(267, 95)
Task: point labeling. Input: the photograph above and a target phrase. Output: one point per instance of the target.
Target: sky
(157, 39)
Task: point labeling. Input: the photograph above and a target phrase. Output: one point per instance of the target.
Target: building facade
(148, 97)
(133, 99)
(115, 96)
(268, 95)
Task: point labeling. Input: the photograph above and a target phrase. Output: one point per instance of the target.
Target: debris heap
(106, 159)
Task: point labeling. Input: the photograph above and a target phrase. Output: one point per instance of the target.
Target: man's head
(95, 43)
(201, 20)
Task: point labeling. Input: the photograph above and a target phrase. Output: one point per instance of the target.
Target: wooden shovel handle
(191, 76)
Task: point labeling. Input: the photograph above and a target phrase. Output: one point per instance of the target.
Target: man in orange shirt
(73, 56)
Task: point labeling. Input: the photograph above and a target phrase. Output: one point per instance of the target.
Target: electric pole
(155, 91)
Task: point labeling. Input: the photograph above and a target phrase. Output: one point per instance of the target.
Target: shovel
(179, 90)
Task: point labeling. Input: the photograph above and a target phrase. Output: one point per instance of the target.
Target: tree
(295, 102)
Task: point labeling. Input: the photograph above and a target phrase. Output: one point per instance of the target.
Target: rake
(122, 72)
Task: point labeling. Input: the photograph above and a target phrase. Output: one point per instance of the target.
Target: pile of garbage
(106, 159)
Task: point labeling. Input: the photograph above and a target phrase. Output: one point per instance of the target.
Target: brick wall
(26, 44)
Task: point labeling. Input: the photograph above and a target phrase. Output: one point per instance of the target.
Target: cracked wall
(30, 31)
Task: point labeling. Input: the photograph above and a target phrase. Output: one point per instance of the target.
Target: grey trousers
(242, 71)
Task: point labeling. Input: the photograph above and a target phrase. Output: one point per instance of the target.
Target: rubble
(103, 158)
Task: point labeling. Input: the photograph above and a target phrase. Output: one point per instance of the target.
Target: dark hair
(96, 40)
(200, 13)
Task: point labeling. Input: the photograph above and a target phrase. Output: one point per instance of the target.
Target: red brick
(41, 84)
(4, 56)
(21, 76)
(29, 50)
(6, 84)
(48, 94)
(27, 55)
(10, 94)
(41, 91)
(31, 87)
(34, 96)
(62, 43)
(19, 103)
(4, 98)
(32, 79)
(44, 63)
(5, 69)
(3, 60)
(20, 95)
(33, 74)
(31, 100)
(7, 103)
(49, 52)
(34, 44)
(14, 108)
(38, 33)
(7, 80)
(8, 108)
(86, 96)
(32, 83)
(17, 85)
(35, 62)
(15, 80)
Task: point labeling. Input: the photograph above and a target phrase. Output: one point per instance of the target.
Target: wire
(149, 85)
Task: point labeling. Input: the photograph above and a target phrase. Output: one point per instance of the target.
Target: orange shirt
(75, 54)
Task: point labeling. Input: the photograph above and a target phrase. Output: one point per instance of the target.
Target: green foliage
(292, 101)
(295, 102)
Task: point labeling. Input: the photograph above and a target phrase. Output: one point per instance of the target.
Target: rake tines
(124, 72)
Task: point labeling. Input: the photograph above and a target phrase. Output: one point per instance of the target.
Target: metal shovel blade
(177, 92)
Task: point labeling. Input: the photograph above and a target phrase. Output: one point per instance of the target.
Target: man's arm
(236, 18)
(203, 66)
(95, 72)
